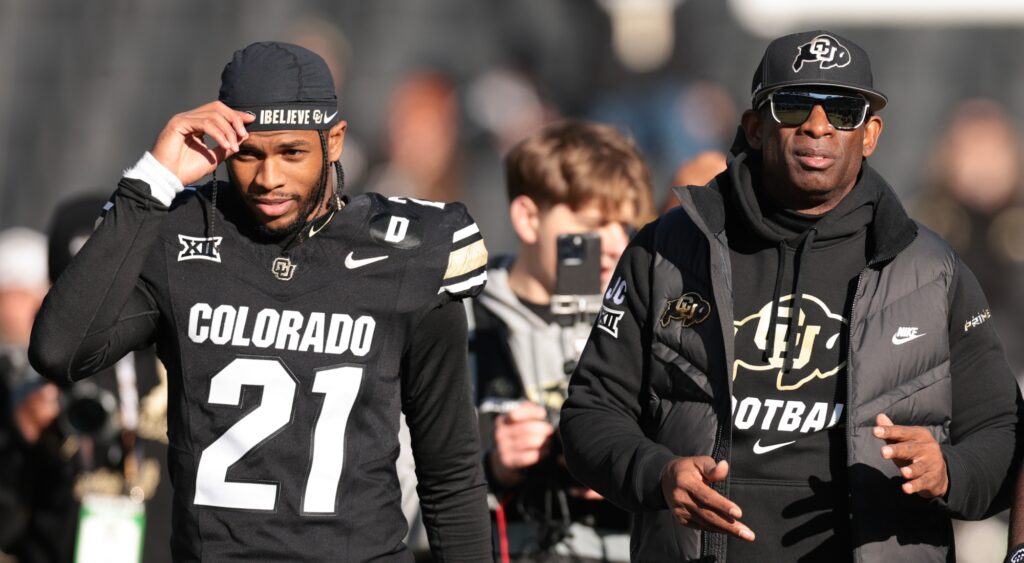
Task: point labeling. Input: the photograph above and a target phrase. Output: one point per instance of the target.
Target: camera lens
(87, 416)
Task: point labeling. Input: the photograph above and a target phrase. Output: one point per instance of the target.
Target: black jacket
(654, 384)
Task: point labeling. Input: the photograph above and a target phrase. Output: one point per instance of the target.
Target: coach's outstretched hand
(914, 450)
(180, 146)
(685, 482)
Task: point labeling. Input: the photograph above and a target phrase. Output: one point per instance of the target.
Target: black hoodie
(788, 455)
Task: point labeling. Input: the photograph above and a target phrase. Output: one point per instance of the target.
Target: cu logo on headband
(824, 50)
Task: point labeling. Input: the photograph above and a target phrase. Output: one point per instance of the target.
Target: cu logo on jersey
(824, 50)
(282, 268)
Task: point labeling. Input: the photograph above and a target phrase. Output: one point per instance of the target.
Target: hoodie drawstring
(808, 240)
(769, 349)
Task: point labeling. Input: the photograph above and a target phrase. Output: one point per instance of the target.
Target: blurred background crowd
(436, 92)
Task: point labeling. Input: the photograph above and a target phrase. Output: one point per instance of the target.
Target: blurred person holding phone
(572, 177)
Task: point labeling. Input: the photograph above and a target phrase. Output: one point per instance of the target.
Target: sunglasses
(845, 112)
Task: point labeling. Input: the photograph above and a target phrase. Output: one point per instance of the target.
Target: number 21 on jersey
(338, 385)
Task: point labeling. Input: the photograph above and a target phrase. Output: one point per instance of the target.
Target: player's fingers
(221, 153)
(238, 119)
(197, 145)
(219, 122)
(883, 420)
(210, 123)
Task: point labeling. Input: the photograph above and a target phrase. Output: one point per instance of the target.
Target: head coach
(798, 371)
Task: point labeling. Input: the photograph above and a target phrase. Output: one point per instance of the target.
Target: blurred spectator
(506, 105)
(503, 106)
(121, 449)
(975, 199)
(23, 283)
(671, 121)
(697, 171)
(97, 437)
(570, 177)
(37, 516)
(422, 141)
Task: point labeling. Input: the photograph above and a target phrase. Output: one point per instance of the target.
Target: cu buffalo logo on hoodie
(815, 354)
(777, 405)
(825, 50)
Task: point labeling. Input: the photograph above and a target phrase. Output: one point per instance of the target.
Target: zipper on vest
(849, 394)
(849, 379)
(712, 545)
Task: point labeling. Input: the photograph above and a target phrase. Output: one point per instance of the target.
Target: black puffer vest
(906, 283)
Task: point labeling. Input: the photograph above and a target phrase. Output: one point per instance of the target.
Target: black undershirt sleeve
(985, 403)
(100, 308)
(436, 399)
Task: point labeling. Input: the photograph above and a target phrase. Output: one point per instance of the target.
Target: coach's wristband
(1016, 554)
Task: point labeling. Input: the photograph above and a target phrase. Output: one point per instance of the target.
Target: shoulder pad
(443, 232)
(467, 257)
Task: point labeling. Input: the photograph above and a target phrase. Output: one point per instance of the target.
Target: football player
(295, 324)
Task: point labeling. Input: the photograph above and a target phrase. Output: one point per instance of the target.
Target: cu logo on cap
(824, 50)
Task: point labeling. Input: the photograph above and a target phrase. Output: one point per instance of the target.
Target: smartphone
(578, 270)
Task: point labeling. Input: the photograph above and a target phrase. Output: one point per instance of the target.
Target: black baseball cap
(814, 58)
(284, 86)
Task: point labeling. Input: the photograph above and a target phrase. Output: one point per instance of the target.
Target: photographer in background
(572, 177)
(37, 519)
(115, 422)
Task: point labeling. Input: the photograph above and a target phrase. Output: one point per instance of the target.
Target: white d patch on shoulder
(199, 248)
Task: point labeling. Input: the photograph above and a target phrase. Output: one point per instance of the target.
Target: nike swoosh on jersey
(328, 119)
(352, 263)
(759, 449)
(897, 339)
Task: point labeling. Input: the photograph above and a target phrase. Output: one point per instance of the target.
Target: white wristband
(163, 184)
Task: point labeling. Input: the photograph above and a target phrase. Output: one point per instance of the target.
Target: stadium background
(435, 91)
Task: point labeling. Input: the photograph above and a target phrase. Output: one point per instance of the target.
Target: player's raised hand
(686, 481)
(914, 450)
(180, 146)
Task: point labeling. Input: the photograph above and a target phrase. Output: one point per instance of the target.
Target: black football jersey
(288, 369)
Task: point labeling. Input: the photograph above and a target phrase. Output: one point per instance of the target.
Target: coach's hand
(522, 437)
(180, 146)
(914, 450)
(685, 482)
